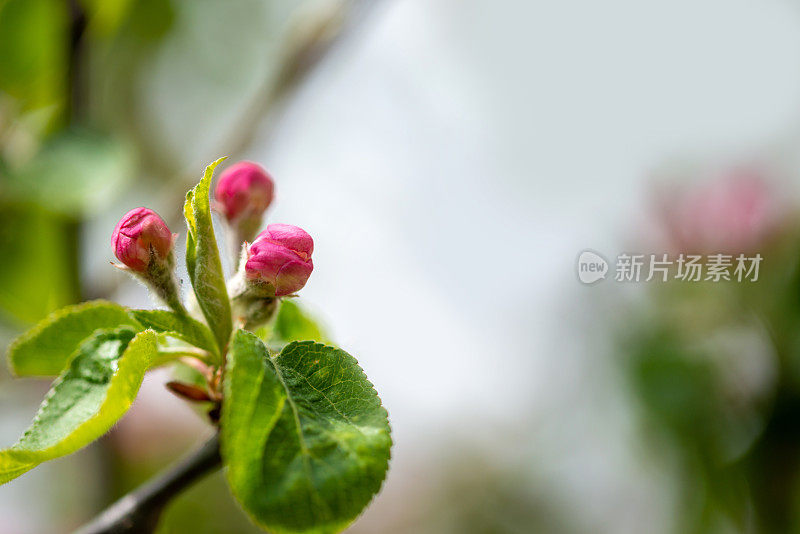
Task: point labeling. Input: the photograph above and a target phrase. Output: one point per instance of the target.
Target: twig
(139, 511)
(263, 114)
(74, 106)
(309, 46)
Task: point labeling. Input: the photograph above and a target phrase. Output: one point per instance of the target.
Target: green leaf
(105, 16)
(179, 326)
(149, 21)
(74, 173)
(202, 260)
(32, 37)
(46, 349)
(33, 284)
(87, 399)
(292, 323)
(304, 436)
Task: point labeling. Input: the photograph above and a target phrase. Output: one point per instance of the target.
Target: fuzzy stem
(160, 277)
(139, 511)
(253, 305)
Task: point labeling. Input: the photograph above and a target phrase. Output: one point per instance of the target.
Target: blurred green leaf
(45, 349)
(294, 324)
(74, 173)
(677, 386)
(183, 372)
(304, 436)
(150, 20)
(105, 16)
(33, 37)
(202, 259)
(85, 401)
(34, 283)
(179, 326)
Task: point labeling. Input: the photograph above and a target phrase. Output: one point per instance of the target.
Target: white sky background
(450, 162)
(454, 159)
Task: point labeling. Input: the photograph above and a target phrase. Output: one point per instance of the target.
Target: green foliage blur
(59, 161)
(714, 375)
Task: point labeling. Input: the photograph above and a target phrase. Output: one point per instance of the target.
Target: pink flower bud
(140, 236)
(281, 257)
(244, 190)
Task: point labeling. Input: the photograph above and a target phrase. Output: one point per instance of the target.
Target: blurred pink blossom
(736, 212)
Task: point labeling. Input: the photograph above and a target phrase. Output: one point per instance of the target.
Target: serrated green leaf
(304, 436)
(96, 389)
(45, 349)
(202, 259)
(179, 326)
(295, 324)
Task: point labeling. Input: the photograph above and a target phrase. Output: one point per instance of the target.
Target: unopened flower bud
(277, 264)
(140, 238)
(280, 258)
(143, 243)
(243, 193)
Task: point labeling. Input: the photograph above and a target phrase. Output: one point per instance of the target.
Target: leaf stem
(139, 511)
(170, 354)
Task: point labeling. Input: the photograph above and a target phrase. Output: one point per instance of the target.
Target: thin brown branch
(139, 511)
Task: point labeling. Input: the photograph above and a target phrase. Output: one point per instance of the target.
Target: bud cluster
(277, 263)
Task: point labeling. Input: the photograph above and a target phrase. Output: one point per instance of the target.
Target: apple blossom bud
(141, 237)
(277, 264)
(281, 258)
(142, 242)
(243, 193)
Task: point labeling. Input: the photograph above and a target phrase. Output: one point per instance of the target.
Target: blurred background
(451, 159)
